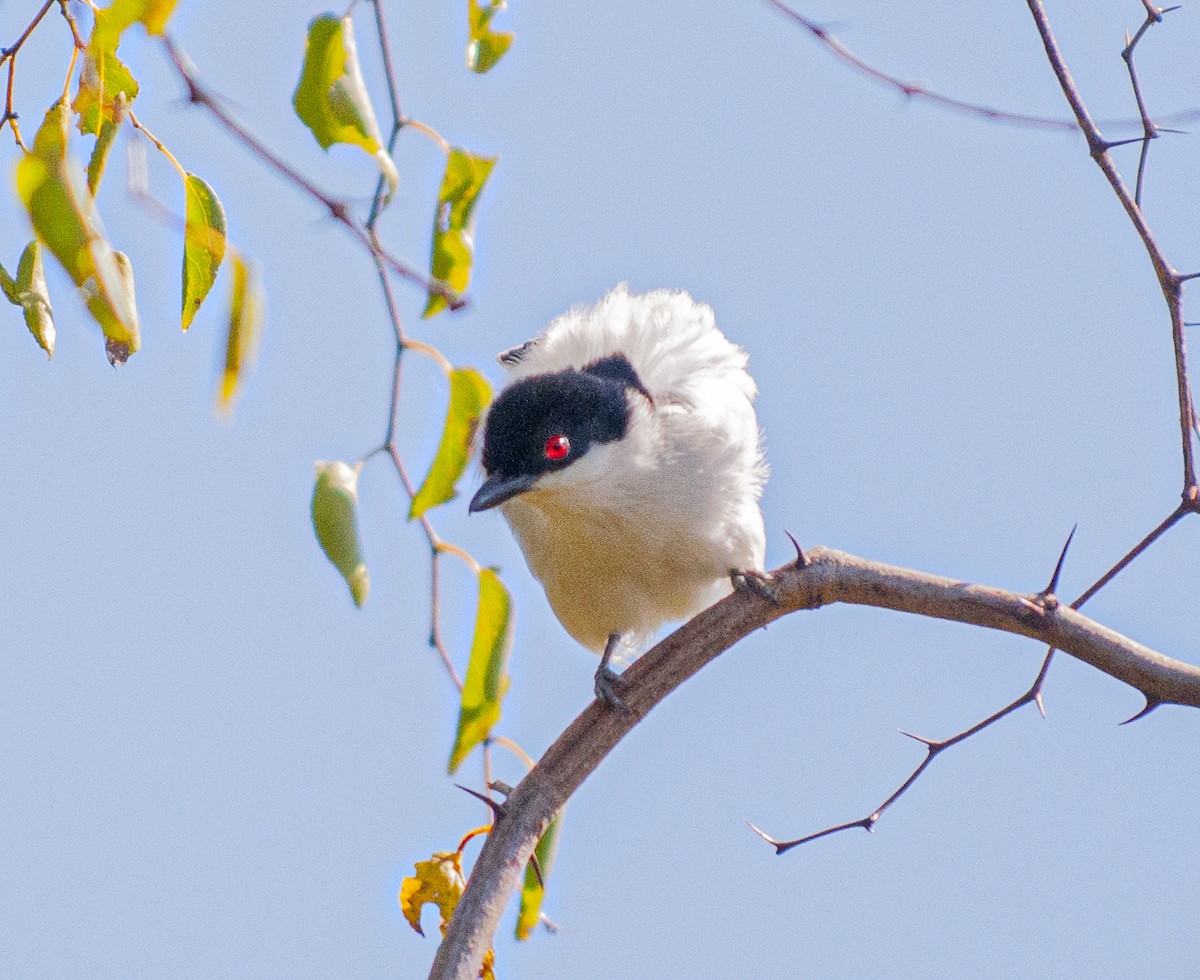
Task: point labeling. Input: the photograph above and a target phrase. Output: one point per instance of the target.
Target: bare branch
(916, 90)
(827, 577)
(1170, 281)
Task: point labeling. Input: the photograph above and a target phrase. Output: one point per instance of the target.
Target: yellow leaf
(438, 881)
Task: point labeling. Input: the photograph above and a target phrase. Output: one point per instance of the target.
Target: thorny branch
(1171, 283)
(822, 577)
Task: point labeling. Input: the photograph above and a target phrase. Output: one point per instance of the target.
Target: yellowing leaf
(335, 519)
(453, 226)
(438, 881)
(245, 320)
(111, 22)
(62, 214)
(469, 395)
(486, 46)
(204, 244)
(105, 88)
(332, 100)
(486, 681)
(533, 890)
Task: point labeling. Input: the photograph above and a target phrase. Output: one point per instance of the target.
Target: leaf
(105, 86)
(486, 46)
(453, 227)
(335, 519)
(62, 214)
(469, 395)
(332, 99)
(104, 141)
(28, 291)
(245, 320)
(486, 682)
(438, 881)
(111, 22)
(204, 244)
(534, 889)
(112, 302)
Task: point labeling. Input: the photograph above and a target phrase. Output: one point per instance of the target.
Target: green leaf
(332, 100)
(469, 395)
(453, 225)
(105, 88)
(335, 519)
(204, 244)
(104, 141)
(534, 889)
(486, 46)
(62, 213)
(28, 291)
(486, 682)
(245, 320)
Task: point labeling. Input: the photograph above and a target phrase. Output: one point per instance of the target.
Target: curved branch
(825, 576)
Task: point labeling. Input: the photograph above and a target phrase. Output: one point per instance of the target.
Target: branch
(339, 210)
(825, 576)
(1169, 281)
(916, 90)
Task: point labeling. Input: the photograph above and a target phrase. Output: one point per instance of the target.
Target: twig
(1170, 281)
(1039, 605)
(915, 90)
(338, 209)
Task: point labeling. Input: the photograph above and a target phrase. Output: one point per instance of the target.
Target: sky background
(214, 765)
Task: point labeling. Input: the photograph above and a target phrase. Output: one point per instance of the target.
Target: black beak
(497, 489)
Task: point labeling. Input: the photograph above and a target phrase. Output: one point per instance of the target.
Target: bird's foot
(755, 582)
(608, 681)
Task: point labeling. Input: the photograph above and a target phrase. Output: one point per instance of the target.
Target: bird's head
(549, 424)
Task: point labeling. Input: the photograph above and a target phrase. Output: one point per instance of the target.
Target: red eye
(557, 447)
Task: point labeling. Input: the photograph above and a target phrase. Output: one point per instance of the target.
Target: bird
(625, 454)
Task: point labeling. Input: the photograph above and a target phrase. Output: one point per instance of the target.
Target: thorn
(537, 870)
(497, 808)
(927, 742)
(765, 836)
(801, 561)
(1037, 699)
(1053, 586)
(1151, 704)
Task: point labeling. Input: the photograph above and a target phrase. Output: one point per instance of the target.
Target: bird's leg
(756, 582)
(607, 679)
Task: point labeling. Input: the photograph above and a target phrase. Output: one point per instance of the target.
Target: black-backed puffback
(625, 454)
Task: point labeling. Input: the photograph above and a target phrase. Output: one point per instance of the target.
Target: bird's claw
(607, 683)
(755, 582)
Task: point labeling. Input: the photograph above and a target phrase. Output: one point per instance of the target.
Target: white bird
(625, 454)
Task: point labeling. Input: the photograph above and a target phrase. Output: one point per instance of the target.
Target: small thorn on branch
(1151, 704)
(801, 561)
(496, 808)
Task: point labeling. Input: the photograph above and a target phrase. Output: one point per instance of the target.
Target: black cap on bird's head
(545, 422)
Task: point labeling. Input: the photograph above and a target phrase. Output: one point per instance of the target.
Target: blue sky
(215, 766)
